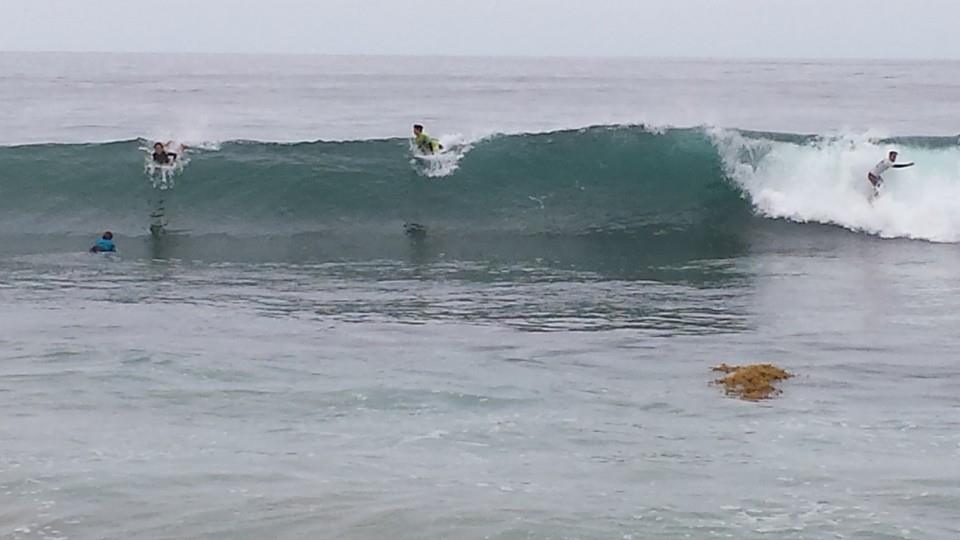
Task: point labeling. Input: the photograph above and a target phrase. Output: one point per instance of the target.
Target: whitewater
(309, 333)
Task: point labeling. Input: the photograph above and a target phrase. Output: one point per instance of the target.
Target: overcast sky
(697, 28)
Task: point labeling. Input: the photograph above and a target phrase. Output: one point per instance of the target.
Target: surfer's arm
(902, 165)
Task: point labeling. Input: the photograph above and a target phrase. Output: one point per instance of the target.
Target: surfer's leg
(875, 182)
(874, 187)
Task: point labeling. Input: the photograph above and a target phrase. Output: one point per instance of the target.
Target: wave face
(597, 179)
(608, 184)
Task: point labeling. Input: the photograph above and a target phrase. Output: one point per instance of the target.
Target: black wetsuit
(164, 158)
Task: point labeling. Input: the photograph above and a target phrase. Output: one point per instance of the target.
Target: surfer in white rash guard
(875, 175)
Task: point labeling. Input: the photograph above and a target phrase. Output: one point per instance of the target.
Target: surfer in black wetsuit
(162, 157)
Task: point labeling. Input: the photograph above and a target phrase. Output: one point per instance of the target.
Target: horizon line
(682, 58)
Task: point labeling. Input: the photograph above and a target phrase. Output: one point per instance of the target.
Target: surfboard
(439, 154)
(428, 158)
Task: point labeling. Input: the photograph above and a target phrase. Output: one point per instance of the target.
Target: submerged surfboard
(428, 158)
(439, 155)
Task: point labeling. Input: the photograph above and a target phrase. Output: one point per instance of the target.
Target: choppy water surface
(170, 399)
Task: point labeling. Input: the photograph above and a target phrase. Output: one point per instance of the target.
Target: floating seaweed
(753, 382)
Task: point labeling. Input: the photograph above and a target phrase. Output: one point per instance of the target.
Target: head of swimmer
(108, 235)
(417, 129)
(892, 156)
(158, 148)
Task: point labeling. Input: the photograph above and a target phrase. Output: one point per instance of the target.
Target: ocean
(324, 337)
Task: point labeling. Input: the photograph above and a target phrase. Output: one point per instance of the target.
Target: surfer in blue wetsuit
(104, 244)
(162, 157)
(424, 142)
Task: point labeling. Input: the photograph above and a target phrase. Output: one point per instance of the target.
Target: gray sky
(700, 28)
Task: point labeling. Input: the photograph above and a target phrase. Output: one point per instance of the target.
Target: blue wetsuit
(104, 245)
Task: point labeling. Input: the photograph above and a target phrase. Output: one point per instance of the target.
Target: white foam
(825, 181)
(445, 163)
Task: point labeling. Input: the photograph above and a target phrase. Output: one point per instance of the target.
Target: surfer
(162, 157)
(104, 244)
(874, 176)
(424, 142)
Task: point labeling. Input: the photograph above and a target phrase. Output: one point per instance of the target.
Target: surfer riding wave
(874, 176)
(425, 143)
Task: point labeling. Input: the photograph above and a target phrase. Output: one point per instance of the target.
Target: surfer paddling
(875, 175)
(104, 244)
